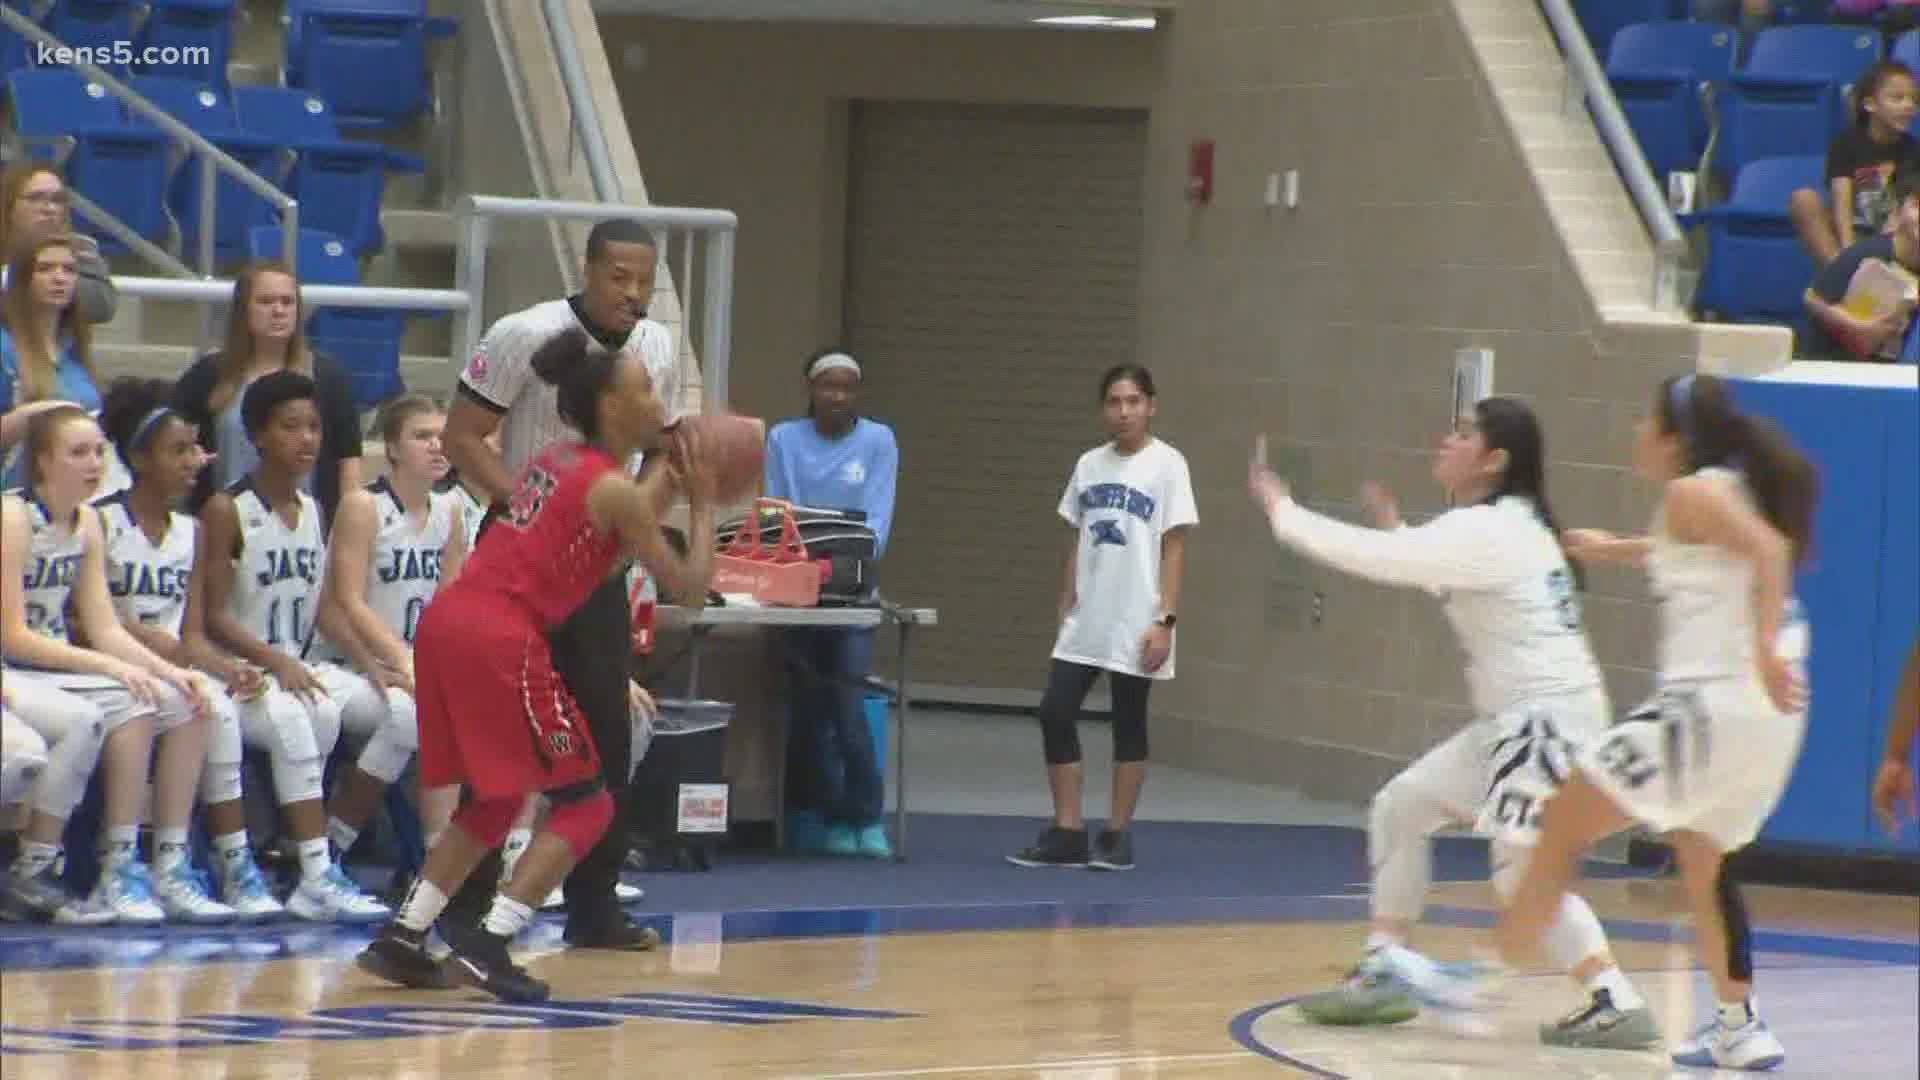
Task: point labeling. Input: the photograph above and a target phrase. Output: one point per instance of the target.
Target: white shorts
(1528, 753)
(52, 693)
(1705, 756)
(1459, 775)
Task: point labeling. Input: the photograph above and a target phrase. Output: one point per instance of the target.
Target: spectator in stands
(1840, 333)
(1752, 15)
(53, 590)
(37, 206)
(835, 459)
(265, 333)
(46, 353)
(151, 550)
(1861, 165)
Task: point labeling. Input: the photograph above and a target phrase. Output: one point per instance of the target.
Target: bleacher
(310, 133)
(1751, 118)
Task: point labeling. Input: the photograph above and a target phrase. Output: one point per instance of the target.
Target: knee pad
(1575, 932)
(285, 727)
(486, 820)
(23, 757)
(220, 776)
(71, 759)
(580, 819)
(394, 741)
(1733, 912)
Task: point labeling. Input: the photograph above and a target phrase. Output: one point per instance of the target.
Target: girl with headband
(834, 459)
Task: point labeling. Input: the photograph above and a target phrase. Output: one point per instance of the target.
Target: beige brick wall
(1332, 328)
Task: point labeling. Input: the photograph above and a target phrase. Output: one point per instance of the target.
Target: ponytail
(1699, 409)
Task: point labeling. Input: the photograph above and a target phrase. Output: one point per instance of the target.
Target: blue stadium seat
(188, 26)
(339, 183)
(205, 108)
(332, 44)
(365, 342)
(102, 27)
(1602, 19)
(1660, 72)
(1789, 99)
(1756, 269)
(1906, 49)
(78, 125)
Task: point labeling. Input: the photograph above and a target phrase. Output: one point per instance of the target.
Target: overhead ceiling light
(1104, 22)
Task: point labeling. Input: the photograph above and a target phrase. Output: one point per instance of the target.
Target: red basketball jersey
(544, 552)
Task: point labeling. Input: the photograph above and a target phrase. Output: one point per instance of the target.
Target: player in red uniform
(494, 716)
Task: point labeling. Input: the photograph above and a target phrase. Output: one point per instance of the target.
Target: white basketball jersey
(53, 562)
(404, 568)
(276, 583)
(148, 580)
(1706, 604)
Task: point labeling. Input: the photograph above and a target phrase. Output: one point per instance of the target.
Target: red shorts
(494, 715)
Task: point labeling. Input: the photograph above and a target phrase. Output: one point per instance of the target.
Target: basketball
(734, 447)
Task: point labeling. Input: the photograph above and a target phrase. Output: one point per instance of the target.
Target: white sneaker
(184, 894)
(333, 897)
(628, 894)
(1750, 1047)
(128, 890)
(556, 900)
(247, 893)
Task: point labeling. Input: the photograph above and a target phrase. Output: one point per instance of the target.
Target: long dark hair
(1508, 424)
(1868, 86)
(1714, 431)
(580, 375)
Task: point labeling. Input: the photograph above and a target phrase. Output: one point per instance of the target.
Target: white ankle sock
(1736, 1014)
(1615, 983)
(508, 917)
(342, 835)
(315, 859)
(169, 849)
(424, 904)
(118, 844)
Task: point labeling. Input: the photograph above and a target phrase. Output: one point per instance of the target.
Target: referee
(498, 391)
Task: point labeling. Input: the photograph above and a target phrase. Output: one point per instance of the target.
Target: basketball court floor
(953, 964)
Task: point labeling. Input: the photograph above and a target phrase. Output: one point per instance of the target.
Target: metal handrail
(478, 211)
(201, 290)
(124, 233)
(1590, 81)
(584, 116)
(212, 157)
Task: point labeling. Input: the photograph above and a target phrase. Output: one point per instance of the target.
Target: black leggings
(1067, 686)
(1733, 913)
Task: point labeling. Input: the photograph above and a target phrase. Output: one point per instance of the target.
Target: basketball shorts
(1707, 756)
(1527, 754)
(494, 715)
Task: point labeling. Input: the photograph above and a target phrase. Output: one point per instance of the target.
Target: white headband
(836, 361)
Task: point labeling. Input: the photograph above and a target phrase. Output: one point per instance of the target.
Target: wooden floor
(1838, 982)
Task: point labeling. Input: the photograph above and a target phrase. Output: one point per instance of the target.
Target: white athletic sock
(34, 857)
(508, 917)
(1615, 983)
(510, 852)
(1736, 1014)
(169, 849)
(315, 859)
(342, 835)
(117, 845)
(424, 904)
(230, 852)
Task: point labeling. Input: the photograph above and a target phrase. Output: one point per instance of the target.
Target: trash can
(679, 796)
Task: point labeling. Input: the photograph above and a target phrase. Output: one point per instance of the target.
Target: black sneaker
(610, 930)
(400, 956)
(482, 961)
(1055, 847)
(1112, 851)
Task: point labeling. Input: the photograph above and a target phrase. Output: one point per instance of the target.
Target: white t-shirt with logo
(1122, 505)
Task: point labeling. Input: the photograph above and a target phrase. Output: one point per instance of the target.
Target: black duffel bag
(841, 538)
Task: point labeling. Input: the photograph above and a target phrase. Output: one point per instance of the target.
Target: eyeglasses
(46, 198)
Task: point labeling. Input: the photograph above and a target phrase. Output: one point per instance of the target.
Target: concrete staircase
(1589, 205)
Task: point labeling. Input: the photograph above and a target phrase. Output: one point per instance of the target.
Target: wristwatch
(1165, 620)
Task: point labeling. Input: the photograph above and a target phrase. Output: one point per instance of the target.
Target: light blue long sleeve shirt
(856, 471)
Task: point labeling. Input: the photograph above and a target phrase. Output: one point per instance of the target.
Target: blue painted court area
(1190, 874)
